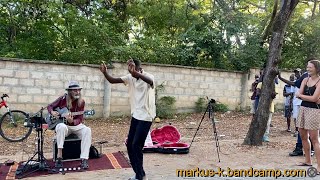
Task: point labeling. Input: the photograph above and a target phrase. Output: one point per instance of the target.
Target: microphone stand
(39, 164)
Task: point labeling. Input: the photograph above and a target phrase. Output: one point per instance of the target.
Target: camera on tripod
(210, 111)
(212, 101)
(34, 121)
(37, 122)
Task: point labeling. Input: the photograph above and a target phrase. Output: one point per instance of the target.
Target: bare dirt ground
(231, 128)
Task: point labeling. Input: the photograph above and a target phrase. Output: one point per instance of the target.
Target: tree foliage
(225, 34)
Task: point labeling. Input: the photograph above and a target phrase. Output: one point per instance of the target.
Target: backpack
(94, 153)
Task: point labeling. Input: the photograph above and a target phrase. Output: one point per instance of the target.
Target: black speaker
(71, 149)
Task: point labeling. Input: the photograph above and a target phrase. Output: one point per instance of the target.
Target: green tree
(224, 34)
(259, 122)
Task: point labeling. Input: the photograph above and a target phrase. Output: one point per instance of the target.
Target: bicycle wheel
(12, 126)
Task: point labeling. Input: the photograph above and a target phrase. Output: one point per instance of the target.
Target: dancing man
(143, 110)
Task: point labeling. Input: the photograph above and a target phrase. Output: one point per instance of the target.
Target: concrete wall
(186, 84)
(32, 84)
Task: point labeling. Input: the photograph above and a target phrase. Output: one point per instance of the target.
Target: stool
(71, 149)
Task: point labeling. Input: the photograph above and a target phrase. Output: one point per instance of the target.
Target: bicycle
(15, 125)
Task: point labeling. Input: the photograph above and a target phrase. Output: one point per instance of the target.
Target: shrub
(165, 107)
(219, 107)
(200, 105)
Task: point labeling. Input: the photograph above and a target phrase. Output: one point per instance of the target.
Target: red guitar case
(166, 140)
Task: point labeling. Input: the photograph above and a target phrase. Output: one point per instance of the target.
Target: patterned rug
(115, 160)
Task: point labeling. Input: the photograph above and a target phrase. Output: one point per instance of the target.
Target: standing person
(143, 110)
(257, 95)
(271, 109)
(309, 120)
(73, 101)
(273, 96)
(253, 89)
(288, 105)
(298, 150)
(296, 102)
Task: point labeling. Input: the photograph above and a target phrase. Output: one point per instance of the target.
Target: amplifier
(71, 150)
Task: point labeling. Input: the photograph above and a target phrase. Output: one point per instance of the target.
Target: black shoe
(296, 152)
(58, 163)
(84, 164)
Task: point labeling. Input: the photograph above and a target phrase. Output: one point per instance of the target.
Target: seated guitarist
(73, 101)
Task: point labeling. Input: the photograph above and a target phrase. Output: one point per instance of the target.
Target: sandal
(304, 164)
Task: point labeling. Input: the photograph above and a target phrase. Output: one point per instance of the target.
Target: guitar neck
(66, 112)
(77, 113)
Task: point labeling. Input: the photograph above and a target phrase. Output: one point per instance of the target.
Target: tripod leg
(199, 125)
(41, 160)
(217, 146)
(215, 134)
(26, 166)
(210, 112)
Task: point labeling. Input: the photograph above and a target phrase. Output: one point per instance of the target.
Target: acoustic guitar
(63, 113)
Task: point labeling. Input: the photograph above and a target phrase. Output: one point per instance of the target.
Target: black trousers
(299, 142)
(137, 135)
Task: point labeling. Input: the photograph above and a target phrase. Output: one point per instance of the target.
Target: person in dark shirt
(253, 89)
(298, 148)
(75, 104)
(299, 80)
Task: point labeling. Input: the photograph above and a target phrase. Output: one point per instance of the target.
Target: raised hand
(132, 68)
(130, 61)
(103, 68)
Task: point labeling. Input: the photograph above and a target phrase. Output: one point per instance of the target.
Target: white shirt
(142, 97)
(288, 89)
(296, 101)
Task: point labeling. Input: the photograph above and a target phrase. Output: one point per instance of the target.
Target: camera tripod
(33, 164)
(210, 110)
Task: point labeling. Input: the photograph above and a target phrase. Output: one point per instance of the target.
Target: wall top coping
(111, 66)
(185, 67)
(47, 62)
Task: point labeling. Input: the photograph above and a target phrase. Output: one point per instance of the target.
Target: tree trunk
(268, 28)
(314, 9)
(259, 122)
